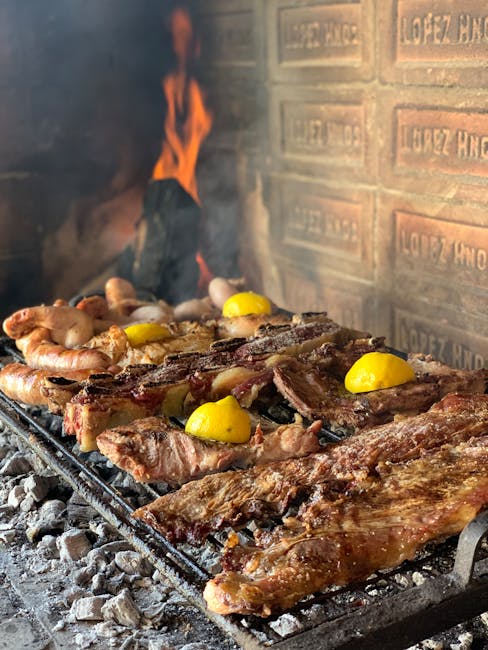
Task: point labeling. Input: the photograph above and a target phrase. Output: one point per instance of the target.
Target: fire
(188, 121)
(206, 274)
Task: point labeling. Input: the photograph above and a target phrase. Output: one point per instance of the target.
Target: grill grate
(395, 608)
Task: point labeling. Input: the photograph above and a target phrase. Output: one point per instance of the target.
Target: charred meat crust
(153, 450)
(148, 387)
(235, 497)
(343, 538)
(317, 390)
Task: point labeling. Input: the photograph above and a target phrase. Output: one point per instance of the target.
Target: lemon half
(141, 333)
(376, 370)
(223, 420)
(245, 303)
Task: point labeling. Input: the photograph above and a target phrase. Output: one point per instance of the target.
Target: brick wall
(361, 134)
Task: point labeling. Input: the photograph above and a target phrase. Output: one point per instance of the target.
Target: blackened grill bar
(455, 590)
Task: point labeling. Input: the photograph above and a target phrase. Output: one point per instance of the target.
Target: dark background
(81, 121)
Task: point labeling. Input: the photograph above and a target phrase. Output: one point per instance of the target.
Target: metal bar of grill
(350, 617)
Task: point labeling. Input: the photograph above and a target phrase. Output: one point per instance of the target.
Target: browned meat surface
(188, 379)
(316, 393)
(169, 390)
(235, 497)
(27, 385)
(348, 535)
(138, 380)
(248, 325)
(181, 338)
(152, 449)
(138, 391)
(337, 359)
(298, 338)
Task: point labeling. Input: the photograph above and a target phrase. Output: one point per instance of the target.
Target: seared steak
(152, 449)
(316, 392)
(188, 379)
(347, 535)
(235, 497)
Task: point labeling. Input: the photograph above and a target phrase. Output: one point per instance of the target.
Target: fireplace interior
(345, 169)
(339, 163)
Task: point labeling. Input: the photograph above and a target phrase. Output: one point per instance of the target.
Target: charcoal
(83, 576)
(418, 578)
(50, 519)
(132, 563)
(122, 610)
(197, 646)
(7, 536)
(97, 557)
(89, 608)
(27, 503)
(465, 641)
(161, 644)
(72, 594)
(47, 546)
(52, 510)
(108, 629)
(286, 624)
(37, 486)
(16, 496)
(98, 584)
(115, 547)
(73, 545)
(16, 465)
(101, 529)
(164, 261)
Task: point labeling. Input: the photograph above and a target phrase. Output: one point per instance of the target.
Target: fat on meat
(347, 535)
(318, 393)
(154, 450)
(235, 497)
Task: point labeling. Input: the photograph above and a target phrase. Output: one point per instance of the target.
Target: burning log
(167, 239)
(166, 246)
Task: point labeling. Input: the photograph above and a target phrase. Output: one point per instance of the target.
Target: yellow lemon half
(375, 370)
(141, 333)
(244, 303)
(224, 420)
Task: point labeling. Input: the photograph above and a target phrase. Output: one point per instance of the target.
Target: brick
(348, 302)
(434, 144)
(323, 41)
(323, 130)
(443, 44)
(434, 249)
(425, 330)
(318, 224)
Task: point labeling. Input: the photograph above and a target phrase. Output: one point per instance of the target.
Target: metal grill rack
(445, 585)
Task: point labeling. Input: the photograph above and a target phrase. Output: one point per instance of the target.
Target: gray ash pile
(68, 579)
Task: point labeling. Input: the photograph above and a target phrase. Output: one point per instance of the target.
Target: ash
(68, 580)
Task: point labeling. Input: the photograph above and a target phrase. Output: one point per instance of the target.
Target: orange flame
(206, 274)
(186, 107)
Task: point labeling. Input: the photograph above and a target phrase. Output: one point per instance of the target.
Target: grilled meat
(27, 385)
(152, 449)
(317, 393)
(41, 352)
(188, 379)
(302, 336)
(235, 497)
(183, 337)
(139, 393)
(348, 535)
(245, 326)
